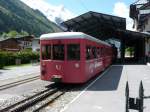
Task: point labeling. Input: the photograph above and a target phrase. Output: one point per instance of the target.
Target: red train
(73, 57)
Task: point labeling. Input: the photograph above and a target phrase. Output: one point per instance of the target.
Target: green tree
(12, 34)
(24, 33)
(4, 35)
(130, 50)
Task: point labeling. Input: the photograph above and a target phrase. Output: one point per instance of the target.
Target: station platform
(107, 92)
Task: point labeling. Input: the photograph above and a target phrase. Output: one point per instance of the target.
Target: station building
(105, 27)
(140, 13)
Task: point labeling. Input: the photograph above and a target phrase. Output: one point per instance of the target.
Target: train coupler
(56, 78)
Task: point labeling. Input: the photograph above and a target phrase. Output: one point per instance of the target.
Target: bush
(9, 58)
(1, 60)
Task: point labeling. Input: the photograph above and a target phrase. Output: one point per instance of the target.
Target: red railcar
(73, 57)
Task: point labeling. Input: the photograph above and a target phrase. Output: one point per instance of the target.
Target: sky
(68, 9)
(81, 6)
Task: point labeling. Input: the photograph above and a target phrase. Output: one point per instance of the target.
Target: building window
(73, 52)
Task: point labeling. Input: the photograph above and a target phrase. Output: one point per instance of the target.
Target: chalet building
(16, 44)
(140, 13)
(10, 44)
(25, 42)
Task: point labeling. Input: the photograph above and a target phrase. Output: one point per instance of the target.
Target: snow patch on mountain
(55, 14)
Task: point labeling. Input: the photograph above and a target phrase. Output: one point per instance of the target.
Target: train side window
(58, 52)
(102, 53)
(94, 52)
(88, 52)
(73, 52)
(46, 52)
(105, 52)
(98, 52)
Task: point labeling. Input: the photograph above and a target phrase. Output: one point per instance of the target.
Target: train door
(73, 65)
(103, 56)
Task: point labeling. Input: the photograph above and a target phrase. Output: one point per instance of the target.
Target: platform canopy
(96, 24)
(102, 26)
(131, 37)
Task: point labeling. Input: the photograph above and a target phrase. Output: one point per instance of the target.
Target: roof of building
(127, 34)
(29, 37)
(70, 35)
(94, 23)
(4, 39)
(17, 38)
(145, 6)
(140, 2)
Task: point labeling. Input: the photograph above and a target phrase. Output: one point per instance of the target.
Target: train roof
(70, 35)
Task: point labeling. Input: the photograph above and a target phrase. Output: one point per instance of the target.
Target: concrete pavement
(107, 94)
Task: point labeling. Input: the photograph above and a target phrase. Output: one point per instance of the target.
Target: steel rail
(53, 86)
(33, 101)
(48, 102)
(13, 84)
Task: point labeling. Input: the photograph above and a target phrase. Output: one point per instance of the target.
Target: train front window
(58, 52)
(46, 52)
(73, 52)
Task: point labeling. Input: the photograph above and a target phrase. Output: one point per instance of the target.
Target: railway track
(46, 96)
(6, 86)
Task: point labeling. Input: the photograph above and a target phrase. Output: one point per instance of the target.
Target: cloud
(52, 12)
(122, 10)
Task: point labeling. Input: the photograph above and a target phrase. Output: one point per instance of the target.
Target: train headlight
(43, 71)
(77, 65)
(43, 64)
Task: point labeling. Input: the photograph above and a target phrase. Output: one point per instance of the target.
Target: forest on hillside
(17, 16)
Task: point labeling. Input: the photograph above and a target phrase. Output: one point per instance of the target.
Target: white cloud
(122, 10)
(54, 13)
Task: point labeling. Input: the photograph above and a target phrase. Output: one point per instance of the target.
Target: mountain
(56, 14)
(15, 15)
